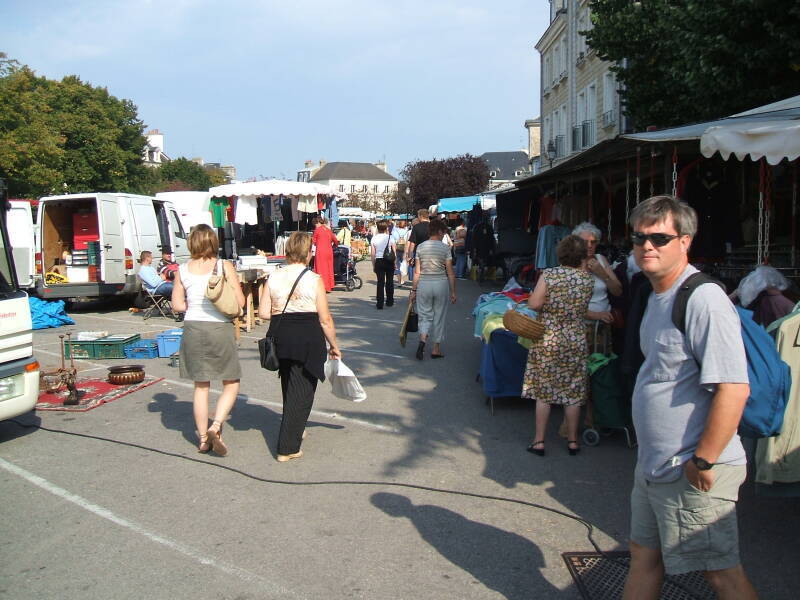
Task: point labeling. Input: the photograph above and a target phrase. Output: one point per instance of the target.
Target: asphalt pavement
(417, 492)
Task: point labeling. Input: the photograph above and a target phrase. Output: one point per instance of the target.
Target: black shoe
(573, 451)
(390, 303)
(379, 306)
(421, 351)
(534, 450)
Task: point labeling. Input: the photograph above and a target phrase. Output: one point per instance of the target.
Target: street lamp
(408, 201)
(551, 152)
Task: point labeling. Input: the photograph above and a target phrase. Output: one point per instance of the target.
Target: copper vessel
(126, 374)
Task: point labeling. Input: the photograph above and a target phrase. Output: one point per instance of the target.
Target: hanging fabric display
(306, 204)
(275, 202)
(246, 211)
(219, 211)
(295, 204)
(334, 213)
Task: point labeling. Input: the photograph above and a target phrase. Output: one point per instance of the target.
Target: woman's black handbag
(268, 346)
(388, 253)
(413, 322)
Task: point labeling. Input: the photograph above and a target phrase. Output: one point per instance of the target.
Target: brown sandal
(204, 445)
(215, 437)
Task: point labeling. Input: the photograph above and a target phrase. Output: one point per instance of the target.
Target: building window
(341, 187)
(364, 188)
(492, 174)
(375, 189)
(386, 189)
(352, 188)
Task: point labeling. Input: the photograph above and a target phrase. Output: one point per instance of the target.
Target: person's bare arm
(326, 321)
(413, 295)
(723, 419)
(265, 302)
(178, 294)
(230, 274)
(539, 295)
(451, 277)
(605, 317)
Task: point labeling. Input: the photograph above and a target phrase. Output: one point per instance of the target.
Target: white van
(123, 224)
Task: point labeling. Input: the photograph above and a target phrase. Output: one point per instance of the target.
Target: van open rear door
(20, 234)
(112, 266)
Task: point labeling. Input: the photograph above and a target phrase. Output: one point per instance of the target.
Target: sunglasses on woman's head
(657, 239)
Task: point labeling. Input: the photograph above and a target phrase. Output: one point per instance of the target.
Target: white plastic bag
(343, 381)
(404, 268)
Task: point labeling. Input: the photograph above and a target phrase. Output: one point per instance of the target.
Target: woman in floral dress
(556, 369)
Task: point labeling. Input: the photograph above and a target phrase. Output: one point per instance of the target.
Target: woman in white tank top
(208, 344)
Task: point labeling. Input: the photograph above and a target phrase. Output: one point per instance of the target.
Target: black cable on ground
(411, 486)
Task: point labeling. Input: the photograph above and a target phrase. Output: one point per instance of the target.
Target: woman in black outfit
(384, 269)
(294, 300)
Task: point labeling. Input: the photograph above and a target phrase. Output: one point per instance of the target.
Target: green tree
(682, 61)
(217, 176)
(67, 136)
(192, 177)
(430, 180)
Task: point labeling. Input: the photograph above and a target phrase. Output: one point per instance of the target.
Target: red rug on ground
(91, 394)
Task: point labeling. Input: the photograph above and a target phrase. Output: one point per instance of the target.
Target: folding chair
(157, 302)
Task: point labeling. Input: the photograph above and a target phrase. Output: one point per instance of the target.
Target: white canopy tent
(771, 131)
(274, 187)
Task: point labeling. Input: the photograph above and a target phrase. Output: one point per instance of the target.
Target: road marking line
(104, 513)
(273, 404)
(80, 361)
(128, 321)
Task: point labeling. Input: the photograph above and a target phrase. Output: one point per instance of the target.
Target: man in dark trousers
(689, 396)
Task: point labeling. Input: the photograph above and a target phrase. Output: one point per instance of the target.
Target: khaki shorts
(695, 531)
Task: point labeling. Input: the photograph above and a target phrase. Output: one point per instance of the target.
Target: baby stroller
(344, 269)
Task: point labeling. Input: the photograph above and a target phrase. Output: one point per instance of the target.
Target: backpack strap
(685, 291)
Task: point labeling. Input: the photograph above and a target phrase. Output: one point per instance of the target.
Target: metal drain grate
(602, 577)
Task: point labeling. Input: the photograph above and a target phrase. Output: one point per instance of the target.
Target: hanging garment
(219, 211)
(246, 211)
(320, 203)
(265, 206)
(333, 213)
(546, 243)
(295, 205)
(778, 458)
(275, 201)
(306, 204)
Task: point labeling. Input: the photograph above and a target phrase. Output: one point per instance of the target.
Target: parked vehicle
(19, 371)
(87, 245)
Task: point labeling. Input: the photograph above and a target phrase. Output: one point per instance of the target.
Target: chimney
(381, 166)
(308, 164)
(322, 163)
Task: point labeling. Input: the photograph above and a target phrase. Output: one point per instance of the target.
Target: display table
(502, 366)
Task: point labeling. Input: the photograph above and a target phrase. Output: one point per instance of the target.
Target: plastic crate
(169, 342)
(79, 349)
(113, 346)
(141, 349)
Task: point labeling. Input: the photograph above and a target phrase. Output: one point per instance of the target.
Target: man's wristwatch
(701, 463)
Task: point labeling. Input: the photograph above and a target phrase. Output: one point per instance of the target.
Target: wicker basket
(523, 325)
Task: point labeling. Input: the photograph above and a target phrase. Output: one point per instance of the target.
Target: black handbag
(388, 253)
(268, 345)
(413, 322)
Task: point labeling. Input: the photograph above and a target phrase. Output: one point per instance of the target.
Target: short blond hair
(203, 242)
(422, 213)
(297, 247)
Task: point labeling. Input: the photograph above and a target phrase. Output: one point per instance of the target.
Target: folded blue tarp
(48, 314)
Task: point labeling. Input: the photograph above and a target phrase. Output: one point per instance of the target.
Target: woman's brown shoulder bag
(220, 291)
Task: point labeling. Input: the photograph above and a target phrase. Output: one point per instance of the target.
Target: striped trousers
(298, 388)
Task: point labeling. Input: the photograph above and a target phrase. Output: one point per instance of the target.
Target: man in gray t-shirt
(687, 403)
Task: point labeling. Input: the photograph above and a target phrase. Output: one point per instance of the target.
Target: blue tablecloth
(502, 365)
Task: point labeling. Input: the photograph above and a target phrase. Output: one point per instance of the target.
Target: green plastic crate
(113, 346)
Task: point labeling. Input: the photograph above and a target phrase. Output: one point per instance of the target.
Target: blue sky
(265, 85)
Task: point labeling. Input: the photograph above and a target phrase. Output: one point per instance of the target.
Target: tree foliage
(694, 60)
(67, 136)
(430, 180)
(182, 174)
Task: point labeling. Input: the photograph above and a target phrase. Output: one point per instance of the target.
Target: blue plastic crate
(142, 349)
(169, 342)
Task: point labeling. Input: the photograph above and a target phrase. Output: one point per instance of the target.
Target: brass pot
(126, 374)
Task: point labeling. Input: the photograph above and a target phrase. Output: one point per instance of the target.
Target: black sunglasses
(657, 239)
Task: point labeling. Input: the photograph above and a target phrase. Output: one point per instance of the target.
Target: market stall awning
(773, 141)
(274, 187)
(461, 204)
(771, 131)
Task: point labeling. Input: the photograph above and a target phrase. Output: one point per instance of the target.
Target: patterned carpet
(91, 394)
